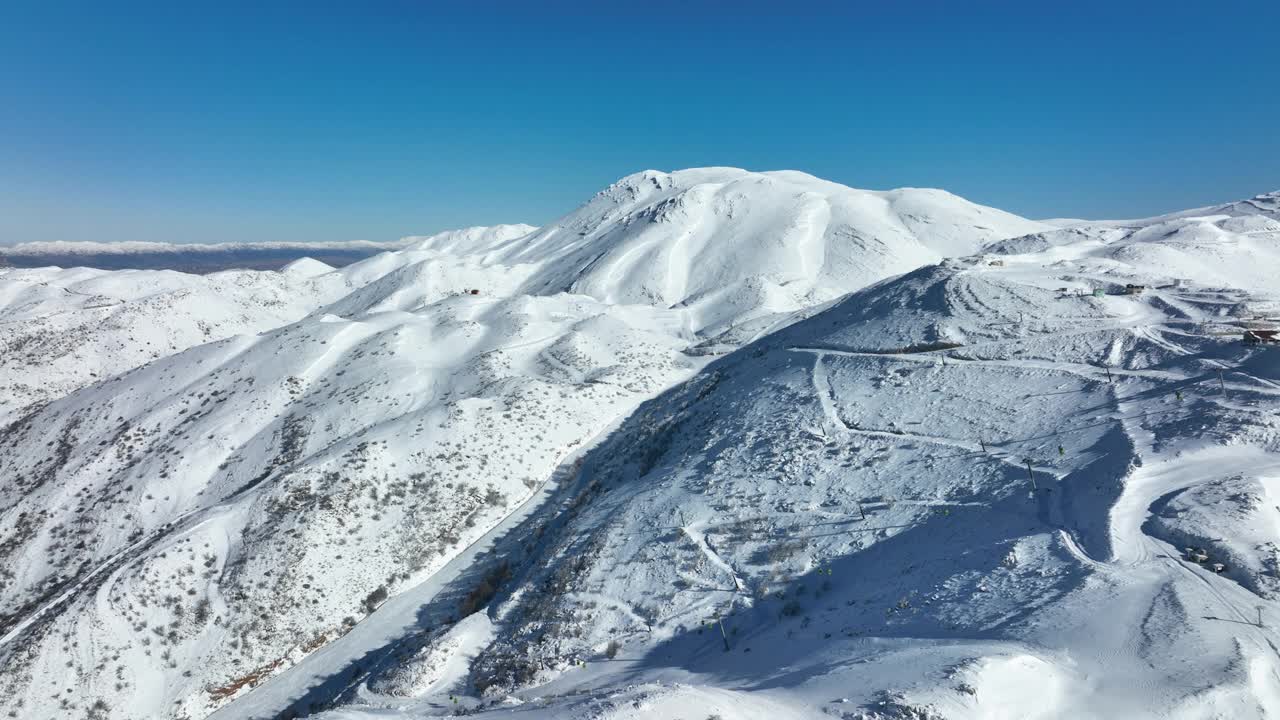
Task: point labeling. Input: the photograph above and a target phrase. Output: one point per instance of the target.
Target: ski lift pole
(1031, 475)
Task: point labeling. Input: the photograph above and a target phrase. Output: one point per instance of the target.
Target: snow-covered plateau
(716, 444)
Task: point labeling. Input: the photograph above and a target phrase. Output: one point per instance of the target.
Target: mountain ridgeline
(716, 442)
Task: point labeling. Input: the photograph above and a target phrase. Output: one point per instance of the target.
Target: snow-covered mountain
(941, 507)
(732, 246)
(66, 328)
(246, 500)
(715, 443)
(1220, 250)
(1263, 205)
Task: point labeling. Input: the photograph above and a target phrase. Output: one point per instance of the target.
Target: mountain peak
(746, 429)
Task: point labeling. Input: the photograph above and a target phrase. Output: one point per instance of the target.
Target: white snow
(887, 448)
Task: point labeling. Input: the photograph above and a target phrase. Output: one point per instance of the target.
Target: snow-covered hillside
(847, 507)
(1263, 205)
(1219, 250)
(732, 246)
(66, 328)
(717, 443)
(243, 501)
(881, 527)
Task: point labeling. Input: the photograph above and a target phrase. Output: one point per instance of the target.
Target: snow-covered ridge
(1263, 205)
(965, 492)
(63, 329)
(1223, 250)
(467, 240)
(66, 328)
(731, 245)
(421, 482)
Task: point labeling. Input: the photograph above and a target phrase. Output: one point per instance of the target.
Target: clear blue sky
(220, 121)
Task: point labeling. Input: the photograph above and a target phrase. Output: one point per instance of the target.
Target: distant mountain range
(185, 258)
(191, 258)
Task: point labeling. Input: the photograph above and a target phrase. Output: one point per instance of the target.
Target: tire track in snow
(826, 398)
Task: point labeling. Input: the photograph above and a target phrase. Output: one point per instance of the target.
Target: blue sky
(337, 121)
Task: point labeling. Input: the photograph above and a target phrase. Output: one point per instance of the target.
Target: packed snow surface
(715, 444)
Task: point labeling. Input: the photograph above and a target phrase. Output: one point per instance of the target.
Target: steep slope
(202, 520)
(965, 492)
(428, 491)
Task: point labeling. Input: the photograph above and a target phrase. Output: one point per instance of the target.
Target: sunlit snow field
(716, 443)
